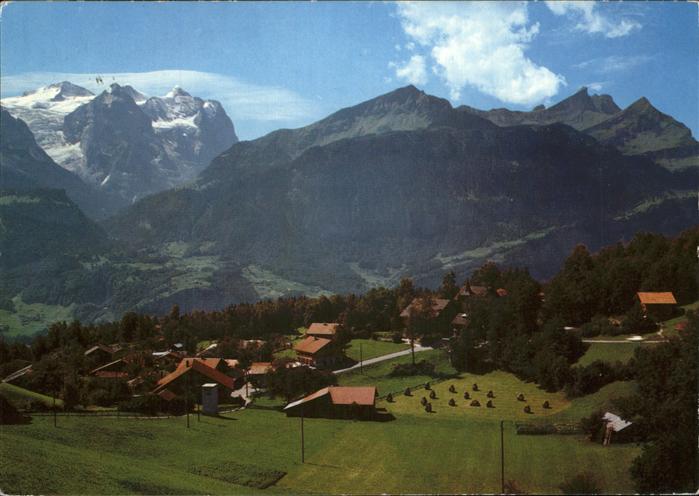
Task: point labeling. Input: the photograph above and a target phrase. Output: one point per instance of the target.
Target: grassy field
(372, 348)
(378, 374)
(505, 387)
(609, 352)
(19, 396)
(233, 453)
(455, 449)
(30, 318)
(669, 325)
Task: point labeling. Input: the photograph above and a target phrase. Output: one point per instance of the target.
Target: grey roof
(615, 421)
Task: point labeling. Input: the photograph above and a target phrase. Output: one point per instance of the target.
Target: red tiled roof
(209, 362)
(501, 292)
(201, 368)
(350, 395)
(311, 345)
(652, 298)
(322, 329)
(259, 368)
(438, 304)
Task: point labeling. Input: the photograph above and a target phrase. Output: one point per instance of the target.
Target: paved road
(381, 358)
(658, 337)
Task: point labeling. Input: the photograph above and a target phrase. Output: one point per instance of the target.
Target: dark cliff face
(206, 130)
(450, 192)
(121, 150)
(25, 166)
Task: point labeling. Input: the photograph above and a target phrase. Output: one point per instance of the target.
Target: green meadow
(454, 449)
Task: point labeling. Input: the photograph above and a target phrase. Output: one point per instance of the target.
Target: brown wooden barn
(336, 402)
(659, 305)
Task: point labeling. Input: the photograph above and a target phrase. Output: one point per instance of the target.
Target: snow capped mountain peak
(186, 133)
(66, 89)
(177, 91)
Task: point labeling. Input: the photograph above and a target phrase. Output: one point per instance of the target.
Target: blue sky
(278, 65)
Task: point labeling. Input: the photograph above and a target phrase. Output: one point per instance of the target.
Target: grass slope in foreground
(456, 449)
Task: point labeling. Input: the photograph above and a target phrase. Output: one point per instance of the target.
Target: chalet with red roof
(336, 402)
(191, 374)
(660, 305)
(441, 312)
(257, 373)
(323, 330)
(317, 352)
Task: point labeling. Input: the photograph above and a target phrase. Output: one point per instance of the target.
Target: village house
(322, 330)
(618, 427)
(317, 352)
(190, 375)
(659, 305)
(256, 374)
(99, 354)
(336, 402)
(439, 305)
(112, 370)
(468, 291)
(18, 374)
(441, 313)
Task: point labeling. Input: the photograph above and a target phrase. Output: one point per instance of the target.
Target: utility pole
(303, 454)
(186, 400)
(502, 457)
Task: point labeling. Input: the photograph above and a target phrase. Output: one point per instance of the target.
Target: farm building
(215, 363)
(18, 374)
(336, 402)
(257, 373)
(435, 312)
(660, 305)
(317, 352)
(438, 307)
(322, 330)
(111, 370)
(99, 354)
(617, 426)
(469, 291)
(191, 375)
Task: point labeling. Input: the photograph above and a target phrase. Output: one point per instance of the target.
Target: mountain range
(121, 144)
(401, 185)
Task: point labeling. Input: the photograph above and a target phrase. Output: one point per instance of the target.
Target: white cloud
(613, 63)
(591, 21)
(596, 86)
(412, 71)
(265, 107)
(481, 44)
